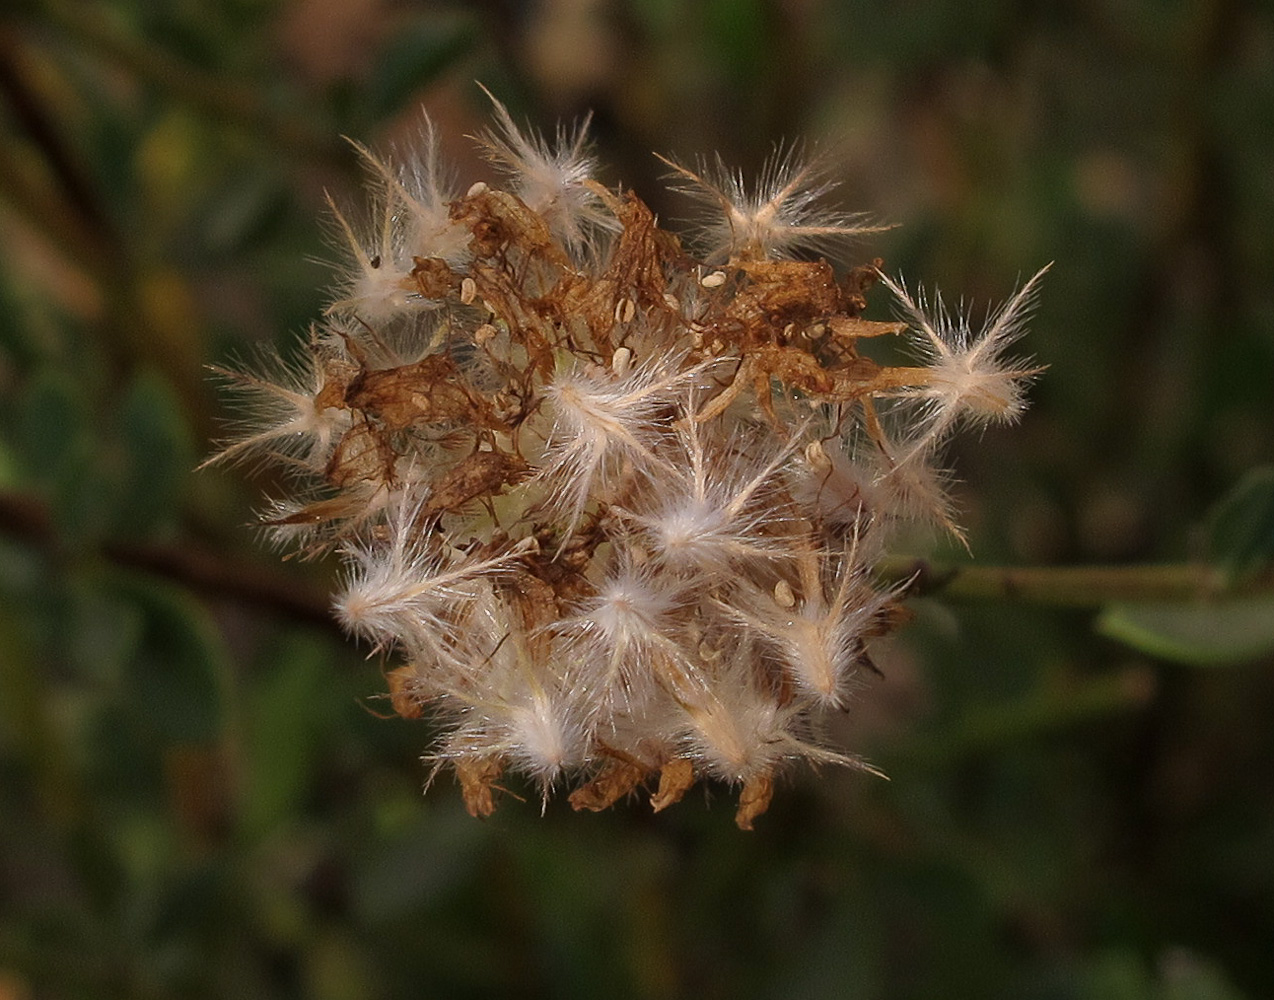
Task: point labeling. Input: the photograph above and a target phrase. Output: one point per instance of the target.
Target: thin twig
(1068, 586)
(202, 569)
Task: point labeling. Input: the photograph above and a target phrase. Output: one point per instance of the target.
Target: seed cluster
(614, 506)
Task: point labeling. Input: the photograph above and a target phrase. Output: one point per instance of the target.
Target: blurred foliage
(197, 796)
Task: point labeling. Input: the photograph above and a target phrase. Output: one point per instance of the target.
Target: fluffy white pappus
(512, 707)
(779, 217)
(409, 585)
(424, 189)
(738, 730)
(864, 486)
(408, 217)
(550, 178)
(544, 736)
(312, 520)
(916, 491)
(967, 378)
(817, 635)
(718, 508)
(606, 425)
(376, 284)
(281, 416)
(536, 739)
(624, 634)
(839, 491)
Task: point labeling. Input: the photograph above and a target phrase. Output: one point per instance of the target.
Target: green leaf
(289, 708)
(103, 630)
(158, 454)
(29, 729)
(59, 450)
(1212, 633)
(1241, 527)
(53, 427)
(18, 343)
(176, 679)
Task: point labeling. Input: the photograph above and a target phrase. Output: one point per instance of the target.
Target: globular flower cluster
(614, 506)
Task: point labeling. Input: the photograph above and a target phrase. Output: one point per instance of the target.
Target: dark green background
(197, 796)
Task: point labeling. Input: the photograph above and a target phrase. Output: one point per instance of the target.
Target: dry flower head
(614, 506)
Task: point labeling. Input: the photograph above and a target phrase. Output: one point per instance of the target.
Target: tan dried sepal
(617, 780)
(477, 777)
(362, 455)
(482, 474)
(634, 276)
(675, 779)
(402, 697)
(778, 292)
(754, 800)
(431, 390)
(853, 328)
(499, 221)
(433, 278)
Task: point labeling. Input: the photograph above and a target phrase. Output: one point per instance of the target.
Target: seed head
(614, 507)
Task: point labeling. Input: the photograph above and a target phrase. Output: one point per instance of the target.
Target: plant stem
(1068, 586)
(202, 568)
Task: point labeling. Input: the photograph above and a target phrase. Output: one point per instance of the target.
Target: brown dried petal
(431, 390)
(361, 455)
(617, 780)
(337, 375)
(675, 779)
(851, 328)
(482, 474)
(779, 292)
(857, 282)
(634, 274)
(500, 221)
(754, 800)
(402, 691)
(434, 278)
(477, 777)
(537, 606)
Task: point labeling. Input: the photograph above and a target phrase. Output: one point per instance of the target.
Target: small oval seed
(817, 457)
